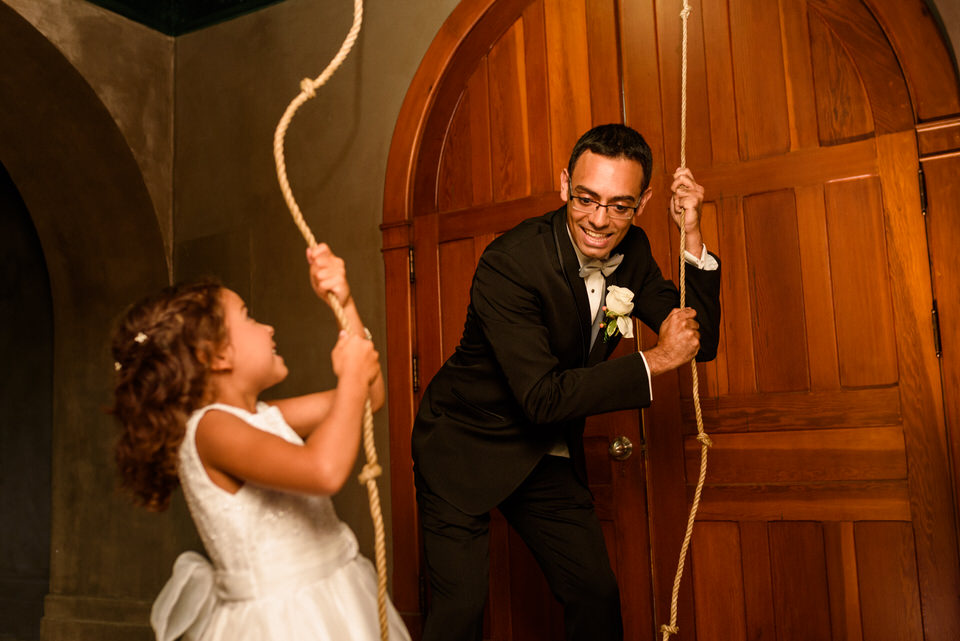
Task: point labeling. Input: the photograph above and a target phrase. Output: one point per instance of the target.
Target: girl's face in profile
(250, 352)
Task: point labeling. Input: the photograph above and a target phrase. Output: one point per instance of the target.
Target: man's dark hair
(615, 141)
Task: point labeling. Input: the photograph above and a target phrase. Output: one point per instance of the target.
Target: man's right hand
(678, 342)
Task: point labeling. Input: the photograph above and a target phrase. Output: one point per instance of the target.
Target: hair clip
(141, 338)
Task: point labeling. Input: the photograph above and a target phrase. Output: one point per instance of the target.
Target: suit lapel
(570, 266)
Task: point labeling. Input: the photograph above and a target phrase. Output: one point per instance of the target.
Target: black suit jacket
(524, 373)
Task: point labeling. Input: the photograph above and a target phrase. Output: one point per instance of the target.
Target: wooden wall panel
(773, 252)
(716, 560)
(864, 311)
(798, 565)
(761, 92)
(843, 109)
(508, 116)
(889, 588)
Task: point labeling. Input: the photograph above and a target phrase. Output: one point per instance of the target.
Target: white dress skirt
(284, 567)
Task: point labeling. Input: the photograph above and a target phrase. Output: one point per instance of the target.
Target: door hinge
(936, 330)
(923, 191)
(415, 372)
(410, 265)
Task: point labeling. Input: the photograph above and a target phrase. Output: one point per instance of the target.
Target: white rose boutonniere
(617, 309)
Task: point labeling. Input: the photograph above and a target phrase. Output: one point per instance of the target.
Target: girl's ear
(222, 359)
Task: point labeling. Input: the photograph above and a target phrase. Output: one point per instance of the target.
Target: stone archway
(103, 248)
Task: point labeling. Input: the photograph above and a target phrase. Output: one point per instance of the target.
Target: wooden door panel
(852, 454)
(889, 588)
(762, 113)
(508, 116)
(773, 259)
(716, 559)
(457, 261)
(861, 292)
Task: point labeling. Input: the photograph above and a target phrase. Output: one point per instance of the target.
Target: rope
(702, 436)
(371, 470)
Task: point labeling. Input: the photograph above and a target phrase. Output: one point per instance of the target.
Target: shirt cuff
(706, 262)
(649, 380)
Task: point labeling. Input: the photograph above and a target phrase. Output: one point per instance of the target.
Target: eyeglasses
(614, 210)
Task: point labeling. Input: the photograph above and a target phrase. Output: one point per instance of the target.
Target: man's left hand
(685, 207)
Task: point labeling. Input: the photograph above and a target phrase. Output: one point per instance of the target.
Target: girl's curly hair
(162, 348)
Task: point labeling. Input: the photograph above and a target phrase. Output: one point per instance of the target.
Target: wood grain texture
(861, 292)
(776, 291)
(842, 575)
(816, 410)
(508, 116)
(715, 556)
(889, 590)
(923, 420)
(879, 72)
(821, 328)
(853, 454)
(798, 567)
(761, 89)
(795, 35)
(923, 53)
(873, 500)
(761, 624)
(843, 108)
(943, 212)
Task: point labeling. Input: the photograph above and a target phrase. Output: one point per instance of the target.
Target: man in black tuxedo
(501, 423)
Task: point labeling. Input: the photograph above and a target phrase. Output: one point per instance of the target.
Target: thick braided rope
(705, 441)
(371, 470)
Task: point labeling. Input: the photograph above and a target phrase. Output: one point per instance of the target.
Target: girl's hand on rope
(328, 274)
(678, 341)
(685, 205)
(355, 358)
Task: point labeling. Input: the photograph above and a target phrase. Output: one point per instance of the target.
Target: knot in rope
(307, 87)
(703, 438)
(669, 629)
(685, 13)
(369, 472)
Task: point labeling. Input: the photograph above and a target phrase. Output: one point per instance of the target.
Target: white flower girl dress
(285, 568)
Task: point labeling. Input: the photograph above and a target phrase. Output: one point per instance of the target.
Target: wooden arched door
(829, 510)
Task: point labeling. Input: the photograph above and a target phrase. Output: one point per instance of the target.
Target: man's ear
(564, 185)
(644, 198)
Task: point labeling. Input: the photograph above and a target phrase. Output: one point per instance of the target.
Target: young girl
(257, 476)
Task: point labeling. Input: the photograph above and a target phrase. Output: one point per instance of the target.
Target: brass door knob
(621, 449)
